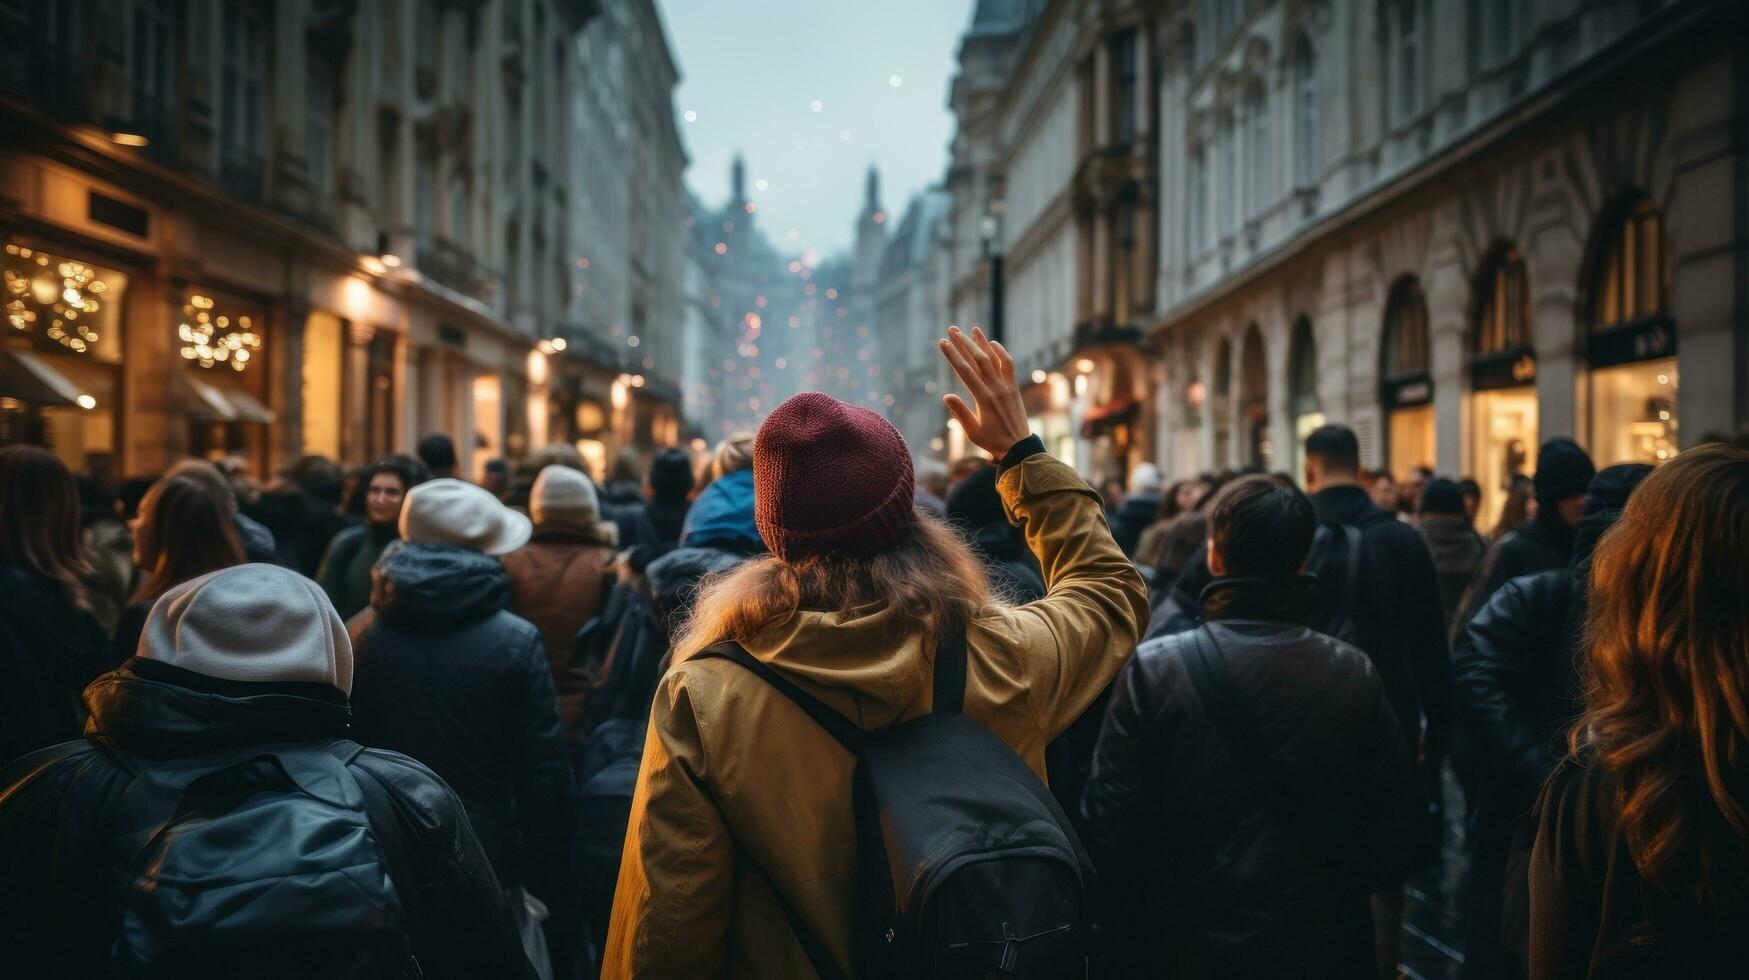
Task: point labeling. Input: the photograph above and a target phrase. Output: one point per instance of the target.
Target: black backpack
(1334, 561)
(269, 861)
(966, 865)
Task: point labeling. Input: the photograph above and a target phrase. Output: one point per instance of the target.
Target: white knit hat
(458, 513)
(254, 623)
(1145, 478)
(563, 495)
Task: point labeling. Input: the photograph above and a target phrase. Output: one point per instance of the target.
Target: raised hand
(999, 421)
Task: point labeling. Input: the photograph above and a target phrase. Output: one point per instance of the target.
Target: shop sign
(1510, 369)
(1641, 340)
(1415, 389)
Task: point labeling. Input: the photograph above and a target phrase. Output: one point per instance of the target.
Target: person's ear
(1217, 564)
(1311, 474)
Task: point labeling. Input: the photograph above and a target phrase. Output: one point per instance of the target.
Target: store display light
(210, 339)
(39, 287)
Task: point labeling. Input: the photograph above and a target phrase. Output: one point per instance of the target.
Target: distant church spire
(873, 193)
(738, 181)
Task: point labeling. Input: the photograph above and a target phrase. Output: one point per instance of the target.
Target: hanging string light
(211, 339)
(61, 293)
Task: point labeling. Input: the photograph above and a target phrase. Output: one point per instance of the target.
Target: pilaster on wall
(153, 427)
(287, 384)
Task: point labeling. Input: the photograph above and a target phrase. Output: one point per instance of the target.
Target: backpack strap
(836, 725)
(1351, 577)
(950, 675)
(1214, 685)
(390, 832)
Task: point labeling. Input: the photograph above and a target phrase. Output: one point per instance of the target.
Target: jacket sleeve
(1072, 642)
(468, 929)
(672, 905)
(57, 905)
(543, 775)
(1490, 676)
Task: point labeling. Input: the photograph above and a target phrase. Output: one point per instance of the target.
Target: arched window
(1302, 392)
(1629, 278)
(1257, 147)
(1221, 408)
(1630, 346)
(1405, 386)
(1502, 304)
(1306, 162)
(1254, 399)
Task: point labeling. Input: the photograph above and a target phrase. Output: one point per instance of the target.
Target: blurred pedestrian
(1382, 488)
(1139, 508)
(51, 645)
(653, 524)
(1515, 672)
(1640, 858)
(1457, 548)
(1251, 785)
(437, 452)
(258, 542)
(301, 507)
(448, 675)
(560, 578)
(1563, 471)
(345, 570)
(1180, 498)
(109, 547)
(496, 478)
(625, 481)
(182, 533)
(932, 486)
(859, 595)
(1472, 494)
(215, 821)
(1517, 509)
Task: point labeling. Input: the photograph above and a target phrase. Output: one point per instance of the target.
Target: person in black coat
(974, 508)
(51, 644)
(1563, 471)
(1244, 841)
(251, 658)
(1140, 508)
(1456, 547)
(1517, 692)
(448, 675)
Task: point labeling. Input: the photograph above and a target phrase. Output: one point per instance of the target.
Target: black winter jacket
(49, 650)
(1013, 570)
(60, 906)
(1538, 546)
(1131, 518)
(445, 674)
(1204, 878)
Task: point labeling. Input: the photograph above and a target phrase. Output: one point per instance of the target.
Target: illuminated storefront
(60, 367)
(1405, 382)
(1630, 343)
(1503, 397)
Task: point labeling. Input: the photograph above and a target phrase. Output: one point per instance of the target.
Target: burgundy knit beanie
(830, 478)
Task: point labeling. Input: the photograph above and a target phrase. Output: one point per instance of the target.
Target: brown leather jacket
(557, 581)
(740, 792)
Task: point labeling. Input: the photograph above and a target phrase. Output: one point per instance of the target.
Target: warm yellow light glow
(559, 343)
(129, 139)
(87, 402)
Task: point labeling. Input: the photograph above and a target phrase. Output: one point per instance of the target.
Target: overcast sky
(752, 70)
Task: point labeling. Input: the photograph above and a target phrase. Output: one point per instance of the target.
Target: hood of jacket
(861, 662)
(724, 513)
(426, 587)
(160, 710)
(674, 577)
(1456, 547)
(1278, 600)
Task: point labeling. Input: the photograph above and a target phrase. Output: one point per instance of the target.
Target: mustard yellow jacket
(740, 792)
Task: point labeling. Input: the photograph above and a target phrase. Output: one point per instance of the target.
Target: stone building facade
(290, 228)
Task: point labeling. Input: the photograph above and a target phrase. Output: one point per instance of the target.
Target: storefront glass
(1409, 436)
(1633, 413)
(222, 342)
(1504, 442)
(60, 389)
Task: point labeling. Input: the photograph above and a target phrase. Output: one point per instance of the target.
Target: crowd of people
(801, 707)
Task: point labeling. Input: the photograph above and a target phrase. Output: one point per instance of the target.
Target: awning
(212, 405)
(1102, 418)
(29, 378)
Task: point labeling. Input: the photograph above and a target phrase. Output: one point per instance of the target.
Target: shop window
(223, 380)
(60, 354)
(1503, 401)
(1254, 400)
(1405, 385)
(151, 64)
(319, 121)
(243, 57)
(323, 351)
(1631, 342)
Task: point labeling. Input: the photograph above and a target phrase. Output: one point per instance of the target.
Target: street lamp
(991, 229)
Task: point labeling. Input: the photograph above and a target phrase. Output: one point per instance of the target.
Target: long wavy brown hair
(931, 579)
(184, 531)
(1667, 634)
(39, 519)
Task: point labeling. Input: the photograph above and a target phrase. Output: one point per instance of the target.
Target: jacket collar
(1281, 600)
(160, 710)
(1346, 504)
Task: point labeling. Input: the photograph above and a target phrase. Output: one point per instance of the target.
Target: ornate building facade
(304, 227)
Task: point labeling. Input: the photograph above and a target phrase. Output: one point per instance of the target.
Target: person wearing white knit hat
(229, 731)
(451, 676)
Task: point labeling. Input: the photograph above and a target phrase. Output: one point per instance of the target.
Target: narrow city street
(576, 489)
